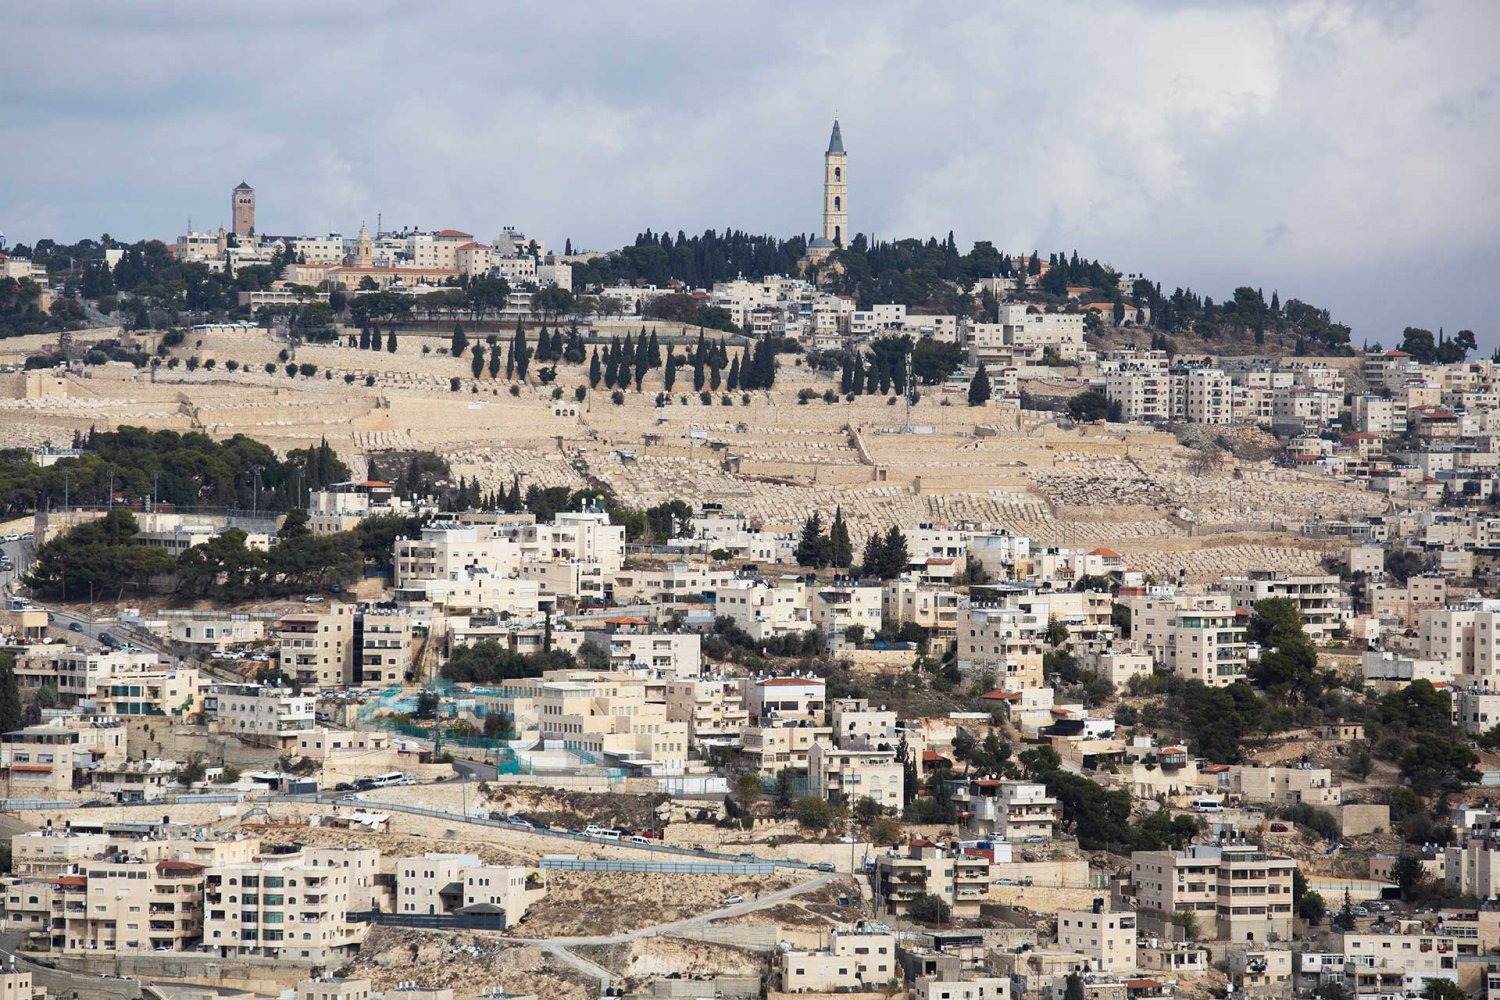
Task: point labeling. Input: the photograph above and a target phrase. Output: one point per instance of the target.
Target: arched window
(838, 204)
(838, 173)
(838, 236)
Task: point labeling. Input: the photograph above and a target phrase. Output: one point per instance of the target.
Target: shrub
(270, 367)
(370, 381)
(617, 397)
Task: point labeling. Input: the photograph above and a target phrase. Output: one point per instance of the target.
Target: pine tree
(979, 387)
(594, 374)
(812, 545)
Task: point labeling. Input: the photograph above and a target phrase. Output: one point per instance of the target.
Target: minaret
(836, 189)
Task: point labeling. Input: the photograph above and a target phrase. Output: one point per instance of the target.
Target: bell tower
(836, 189)
(242, 202)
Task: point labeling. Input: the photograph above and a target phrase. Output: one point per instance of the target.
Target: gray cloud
(1341, 152)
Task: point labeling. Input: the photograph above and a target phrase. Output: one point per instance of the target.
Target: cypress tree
(477, 365)
(979, 387)
(10, 696)
(733, 384)
(460, 342)
(594, 373)
(494, 360)
(521, 352)
(669, 374)
(390, 341)
(840, 548)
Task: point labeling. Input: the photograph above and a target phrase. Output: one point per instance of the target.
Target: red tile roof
(451, 233)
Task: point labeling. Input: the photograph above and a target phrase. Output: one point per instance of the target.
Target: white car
(731, 900)
(312, 599)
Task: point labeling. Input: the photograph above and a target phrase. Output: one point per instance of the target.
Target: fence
(660, 867)
(436, 921)
(53, 805)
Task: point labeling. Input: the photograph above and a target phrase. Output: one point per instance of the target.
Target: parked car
(731, 899)
(822, 866)
(312, 599)
(1278, 828)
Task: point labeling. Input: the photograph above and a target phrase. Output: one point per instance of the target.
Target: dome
(821, 243)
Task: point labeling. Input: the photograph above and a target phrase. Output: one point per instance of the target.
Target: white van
(1208, 806)
(601, 832)
(638, 839)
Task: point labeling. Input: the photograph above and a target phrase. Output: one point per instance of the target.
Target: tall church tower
(836, 189)
(242, 206)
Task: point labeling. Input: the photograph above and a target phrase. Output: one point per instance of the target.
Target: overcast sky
(1343, 153)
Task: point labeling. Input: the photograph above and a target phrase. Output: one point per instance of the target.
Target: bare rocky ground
(598, 904)
(470, 964)
(651, 958)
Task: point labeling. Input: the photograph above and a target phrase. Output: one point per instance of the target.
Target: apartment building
(634, 645)
(512, 889)
(958, 878)
(853, 960)
(1282, 785)
(841, 774)
(1195, 636)
(316, 647)
(1319, 598)
(110, 904)
(785, 699)
(1006, 642)
(978, 988)
(1007, 810)
(766, 609)
(775, 746)
(712, 707)
(46, 759)
(836, 607)
(1024, 332)
(856, 724)
(1245, 893)
(1106, 937)
(1407, 958)
(280, 909)
(1467, 638)
(277, 715)
(75, 673)
(383, 640)
(601, 713)
(1116, 663)
(930, 606)
(433, 883)
(1472, 869)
